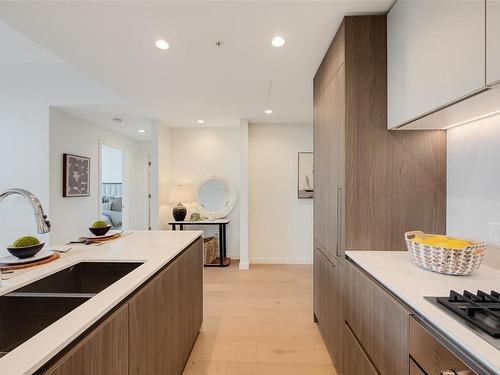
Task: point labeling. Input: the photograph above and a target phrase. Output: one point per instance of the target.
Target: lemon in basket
(442, 241)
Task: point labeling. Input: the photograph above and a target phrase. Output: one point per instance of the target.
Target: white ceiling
(113, 43)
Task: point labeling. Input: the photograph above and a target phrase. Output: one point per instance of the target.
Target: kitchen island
(402, 285)
(146, 322)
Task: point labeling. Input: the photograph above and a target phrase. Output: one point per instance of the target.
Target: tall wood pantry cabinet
(371, 184)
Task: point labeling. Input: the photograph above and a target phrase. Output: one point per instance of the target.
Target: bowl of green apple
(100, 228)
(25, 247)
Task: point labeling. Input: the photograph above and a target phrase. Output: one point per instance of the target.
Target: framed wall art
(305, 184)
(76, 176)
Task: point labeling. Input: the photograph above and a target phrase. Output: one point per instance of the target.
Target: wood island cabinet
(152, 332)
(165, 317)
(104, 351)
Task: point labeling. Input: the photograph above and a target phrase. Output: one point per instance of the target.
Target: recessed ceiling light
(200, 121)
(268, 111)
(278, 41)
(142, 131)
(161, 44)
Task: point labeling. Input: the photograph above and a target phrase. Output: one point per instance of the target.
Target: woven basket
(210, 249)
(445, 260)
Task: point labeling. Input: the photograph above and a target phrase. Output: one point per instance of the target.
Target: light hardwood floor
(259, 322)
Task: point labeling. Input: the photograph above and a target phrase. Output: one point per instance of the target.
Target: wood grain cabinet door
(329, 121)
(317, 287)
(380, 323)
(166, 315)
(103, 352)
(326, 295)
(328, 280)
(414, 369)
(336, 310)
(356, 361)
(492, 41)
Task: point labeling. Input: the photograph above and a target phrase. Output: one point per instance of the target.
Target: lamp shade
(181, 193)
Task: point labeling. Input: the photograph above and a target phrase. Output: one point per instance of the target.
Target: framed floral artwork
(76, 176)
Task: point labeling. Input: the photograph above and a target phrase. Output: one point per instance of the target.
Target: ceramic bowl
(26, 251)
(100, 231)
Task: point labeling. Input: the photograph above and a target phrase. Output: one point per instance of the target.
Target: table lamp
(180, 194)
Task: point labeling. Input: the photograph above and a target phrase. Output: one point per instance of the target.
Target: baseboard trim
(244, 266)
(281, 261)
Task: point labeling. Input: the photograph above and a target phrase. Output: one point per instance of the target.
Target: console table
(222, 224)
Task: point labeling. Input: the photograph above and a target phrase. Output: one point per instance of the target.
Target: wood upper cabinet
(166, 315)
(329, 123)
(103, 352)
(436, 55)
(378, 321)
(365, 198)
(492, 41)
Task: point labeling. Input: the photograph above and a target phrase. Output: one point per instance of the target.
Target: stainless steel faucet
(42, 224)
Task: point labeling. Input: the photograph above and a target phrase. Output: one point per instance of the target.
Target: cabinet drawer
(378, 321)
(356, 361)
(432, 356)
(414, 369)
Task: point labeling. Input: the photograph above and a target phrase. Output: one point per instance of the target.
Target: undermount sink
(23, 317)
(82, 278)
(28, 310)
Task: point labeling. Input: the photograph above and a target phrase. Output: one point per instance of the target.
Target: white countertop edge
(39, 349)
(458, 333)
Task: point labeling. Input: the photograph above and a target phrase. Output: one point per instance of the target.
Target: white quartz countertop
(410, 283)
(155, 249)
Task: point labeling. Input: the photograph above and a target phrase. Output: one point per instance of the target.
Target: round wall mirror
(216, 197)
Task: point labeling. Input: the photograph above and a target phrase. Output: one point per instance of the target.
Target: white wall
(111, 165)
(164, 180)
(24, 144)
(244, 259)
(280, 225)
(199, 152)
(71, 216)
(474, 183)
(32, 79)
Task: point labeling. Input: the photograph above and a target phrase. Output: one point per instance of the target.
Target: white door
(112, 186)
(435, 55)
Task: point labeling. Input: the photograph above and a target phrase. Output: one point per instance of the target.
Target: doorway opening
(112, 186)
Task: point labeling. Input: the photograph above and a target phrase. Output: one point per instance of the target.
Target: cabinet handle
(448, 372)
(339, 222)
(324, 256)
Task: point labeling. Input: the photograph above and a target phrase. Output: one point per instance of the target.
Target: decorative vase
(179, 212)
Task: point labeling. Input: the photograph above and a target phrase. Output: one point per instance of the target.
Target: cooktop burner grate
(480, 309)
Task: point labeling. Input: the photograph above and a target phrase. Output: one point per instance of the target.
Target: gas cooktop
(480, 312)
